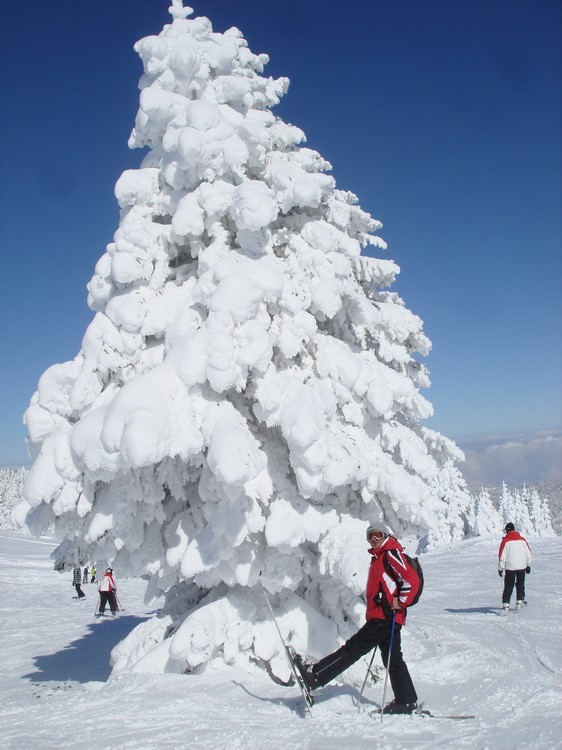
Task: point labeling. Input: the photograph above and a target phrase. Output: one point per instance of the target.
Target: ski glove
(528, 569)
(500, 573)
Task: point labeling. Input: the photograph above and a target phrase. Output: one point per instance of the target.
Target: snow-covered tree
(539, 513)
(247, 396)
(514, 507)
(505, 504)
(522, 506)
(527, 511)
(457, 520)
(550, 493)
(520, 510)
(487, 519)
(11, 494)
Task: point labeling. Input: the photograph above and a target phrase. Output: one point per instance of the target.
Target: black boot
(306, 671)
(400, 708)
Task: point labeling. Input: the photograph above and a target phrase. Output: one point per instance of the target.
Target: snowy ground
(57, 691)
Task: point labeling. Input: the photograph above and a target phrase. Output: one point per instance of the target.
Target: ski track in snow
(58, 692)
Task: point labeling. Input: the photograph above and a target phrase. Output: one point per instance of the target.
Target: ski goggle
(375, 535)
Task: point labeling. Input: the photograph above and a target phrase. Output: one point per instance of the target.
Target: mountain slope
(464, 658)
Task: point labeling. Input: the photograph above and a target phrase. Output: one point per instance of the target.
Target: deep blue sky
(443, 117)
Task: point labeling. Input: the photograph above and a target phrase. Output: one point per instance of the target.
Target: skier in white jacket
(107, 590)
(515, 559)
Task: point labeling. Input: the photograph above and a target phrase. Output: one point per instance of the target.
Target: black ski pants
(79, 591)
(107, 597)
(513, 578)
(373, 633)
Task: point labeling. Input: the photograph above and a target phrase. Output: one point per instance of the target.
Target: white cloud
(515, 459)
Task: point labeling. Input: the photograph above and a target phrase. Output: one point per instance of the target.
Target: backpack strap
(390, 570)
(382, 600)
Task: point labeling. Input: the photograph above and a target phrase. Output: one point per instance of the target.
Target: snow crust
(247, 396)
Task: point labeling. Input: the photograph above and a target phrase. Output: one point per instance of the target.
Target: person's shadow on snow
(475, 610)
(87, 658)
(295, 701)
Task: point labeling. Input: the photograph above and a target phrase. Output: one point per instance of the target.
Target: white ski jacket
(107, 583)
(515, 553)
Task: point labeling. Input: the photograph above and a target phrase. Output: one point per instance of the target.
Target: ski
(424, 712)
(306, 694)
(454, 717)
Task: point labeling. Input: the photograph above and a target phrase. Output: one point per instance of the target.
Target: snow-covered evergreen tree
(523, 506)
(11, 494)
(505, 505)
(539, 513)
(457, 520)
(514, 507)
(520, 510)
(550, 493)
(247, 395)
(487, 519)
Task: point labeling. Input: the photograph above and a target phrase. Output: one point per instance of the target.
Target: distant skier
(93, 575)
(86, 574)
(107, 588)
(77, 581)
(385, 596)
(515, 558)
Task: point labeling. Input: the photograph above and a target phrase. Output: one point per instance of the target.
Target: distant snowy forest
(535, 509)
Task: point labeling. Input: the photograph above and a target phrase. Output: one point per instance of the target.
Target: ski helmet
(373, 532)
(509, 527)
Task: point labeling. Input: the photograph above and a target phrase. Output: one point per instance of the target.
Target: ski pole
(97, 605)
(119, 607)
(388, 663)
(365, 680)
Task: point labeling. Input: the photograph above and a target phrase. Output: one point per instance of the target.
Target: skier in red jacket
(514, 557)
(385, 597)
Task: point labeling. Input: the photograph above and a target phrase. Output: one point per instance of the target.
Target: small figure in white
(107, 590)
(515, 559)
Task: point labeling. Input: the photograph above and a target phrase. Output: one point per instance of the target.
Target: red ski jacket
(381, 586)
